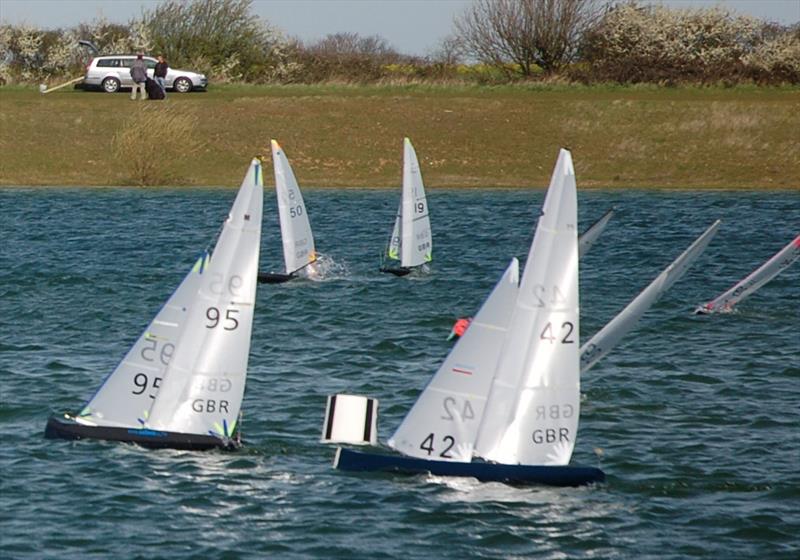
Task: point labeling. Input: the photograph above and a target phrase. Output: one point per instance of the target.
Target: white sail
(763, 274)
(588, 237)
(204, 382)
(415, 229)
(127, 394)
(532, 413)
(298, 241)
(393, 250)
(610, 335)
(443, 423)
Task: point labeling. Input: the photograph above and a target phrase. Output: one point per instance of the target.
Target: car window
(108, 63)
(150, 63)
(126, 62)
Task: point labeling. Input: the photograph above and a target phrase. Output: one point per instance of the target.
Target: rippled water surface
(696, 420)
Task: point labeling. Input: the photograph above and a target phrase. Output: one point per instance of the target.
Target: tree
(347, 56)
(518, 35)
(219, 36)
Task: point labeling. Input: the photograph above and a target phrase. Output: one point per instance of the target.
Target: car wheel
(111, 85)
(182, 85)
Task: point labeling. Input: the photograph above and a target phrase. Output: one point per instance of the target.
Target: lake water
(695, 420)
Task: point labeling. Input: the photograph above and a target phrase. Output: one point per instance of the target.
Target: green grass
(465, 135)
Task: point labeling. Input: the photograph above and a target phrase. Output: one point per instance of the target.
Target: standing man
(160, 74)
(139, 76)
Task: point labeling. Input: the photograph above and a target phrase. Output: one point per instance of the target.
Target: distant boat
(298, 241)
(609, 336)
(587, 239)
(763, 274)
(411, 241)
(509, 392)
(585, 242)
(181, 384)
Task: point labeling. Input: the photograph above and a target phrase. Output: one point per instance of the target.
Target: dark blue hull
(349, 460)
(64, 428)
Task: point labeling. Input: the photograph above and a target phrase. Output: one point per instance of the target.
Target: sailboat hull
(397, 271)
(64, 428)
(273, 277)
(349, 460)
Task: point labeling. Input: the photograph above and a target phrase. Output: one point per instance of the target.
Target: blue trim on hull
(349, 460)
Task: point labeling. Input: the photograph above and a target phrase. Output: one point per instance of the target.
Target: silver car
(112, 72)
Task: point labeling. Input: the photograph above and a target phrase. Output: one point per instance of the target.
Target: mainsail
(763, 274)
(610, 335)
(588, 237)
(531, 416)
(203, 385)
(126, 396)
(411, 241)
(416, 246)
(443, 423)
(298, 241)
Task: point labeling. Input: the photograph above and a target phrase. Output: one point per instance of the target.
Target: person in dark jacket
(139, 76)
(160, 74)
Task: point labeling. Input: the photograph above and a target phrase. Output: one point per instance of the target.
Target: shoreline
(336, 137)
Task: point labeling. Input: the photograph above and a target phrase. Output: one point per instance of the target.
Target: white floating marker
(351, 419)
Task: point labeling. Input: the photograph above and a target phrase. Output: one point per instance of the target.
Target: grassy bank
(464, 136)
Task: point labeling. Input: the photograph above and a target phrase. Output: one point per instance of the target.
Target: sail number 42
(427, 445)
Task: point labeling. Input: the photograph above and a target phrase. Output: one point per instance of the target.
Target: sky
(411, 26)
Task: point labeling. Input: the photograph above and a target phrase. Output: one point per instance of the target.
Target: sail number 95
(141, 381)
(150, 351)
(234, 286)
(214, 317)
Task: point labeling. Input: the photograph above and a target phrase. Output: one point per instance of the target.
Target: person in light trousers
(139, 77)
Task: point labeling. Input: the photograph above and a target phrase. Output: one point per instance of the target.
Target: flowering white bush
(777, 59)
(652, 43)
(29, 54)
(5, 53)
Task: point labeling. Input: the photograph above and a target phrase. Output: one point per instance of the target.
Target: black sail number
(140, 380)
(427, 445)
(229, 322)
(567, 329)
